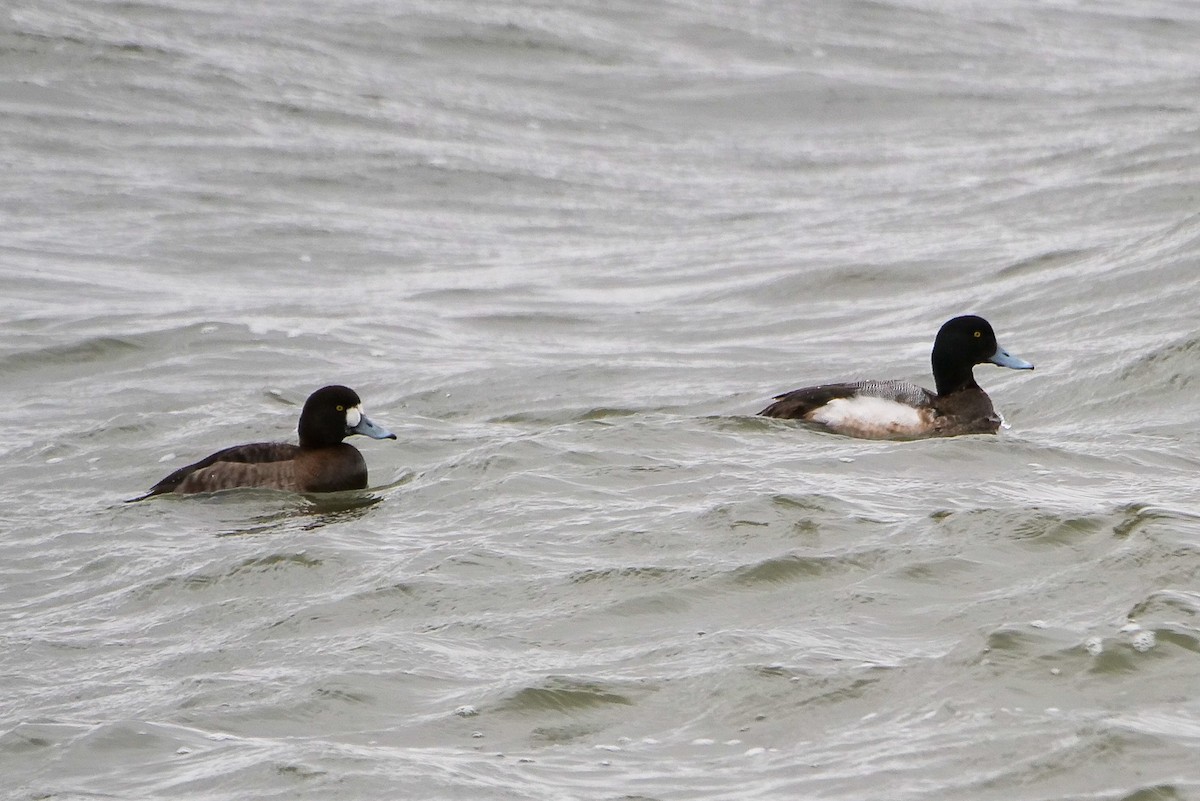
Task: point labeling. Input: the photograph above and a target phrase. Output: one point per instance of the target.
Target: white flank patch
(872, 416)
(353, 416)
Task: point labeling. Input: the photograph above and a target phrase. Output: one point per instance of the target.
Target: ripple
(565, 696)
(796, 567)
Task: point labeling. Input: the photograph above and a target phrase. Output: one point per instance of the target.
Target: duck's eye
(978, 334)
(342, 408)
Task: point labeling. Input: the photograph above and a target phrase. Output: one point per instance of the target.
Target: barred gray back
(900, 391)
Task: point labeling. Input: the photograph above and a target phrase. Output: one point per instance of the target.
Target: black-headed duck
(901, 410)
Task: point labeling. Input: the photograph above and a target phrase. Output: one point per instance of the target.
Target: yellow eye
(978, 334)
(342, 408)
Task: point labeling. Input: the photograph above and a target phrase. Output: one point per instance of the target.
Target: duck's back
(257, 464)
(799, 403)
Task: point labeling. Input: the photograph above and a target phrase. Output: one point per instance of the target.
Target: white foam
(1143, 641)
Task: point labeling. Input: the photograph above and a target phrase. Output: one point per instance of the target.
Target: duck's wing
(279, 475)
(800, 403)
(251, 465)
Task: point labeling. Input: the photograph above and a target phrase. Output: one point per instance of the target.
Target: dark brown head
(333, 413)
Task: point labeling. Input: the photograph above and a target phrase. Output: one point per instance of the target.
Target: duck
(903, 410)
(322, 462)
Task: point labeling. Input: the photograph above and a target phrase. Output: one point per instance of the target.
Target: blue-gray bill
(1006, 359)
(369, 429)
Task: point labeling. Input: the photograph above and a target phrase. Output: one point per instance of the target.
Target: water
(566, 251)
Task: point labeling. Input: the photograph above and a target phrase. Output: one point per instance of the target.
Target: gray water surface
(566, 251)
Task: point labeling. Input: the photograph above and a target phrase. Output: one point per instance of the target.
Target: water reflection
(252, 511)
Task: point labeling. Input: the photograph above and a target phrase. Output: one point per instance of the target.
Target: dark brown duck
(322, 462)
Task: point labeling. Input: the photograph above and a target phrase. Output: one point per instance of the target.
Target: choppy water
(566, 250)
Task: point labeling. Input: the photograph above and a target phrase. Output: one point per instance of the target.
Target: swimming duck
(320, 463)
(901, 410)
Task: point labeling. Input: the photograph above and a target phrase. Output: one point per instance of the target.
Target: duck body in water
(322, 462)
(903, 410)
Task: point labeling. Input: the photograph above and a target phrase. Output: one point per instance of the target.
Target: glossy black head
(333, 413)
(963, 343)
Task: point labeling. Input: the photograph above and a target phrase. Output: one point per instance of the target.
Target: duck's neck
(950, 377)
(313, 436)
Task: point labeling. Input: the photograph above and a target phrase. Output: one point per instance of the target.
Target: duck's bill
(370, 429)
(1006, 359)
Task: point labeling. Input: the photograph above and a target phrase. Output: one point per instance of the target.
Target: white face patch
(353, 416)
(870, 417)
